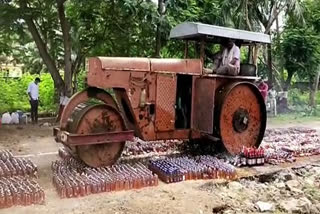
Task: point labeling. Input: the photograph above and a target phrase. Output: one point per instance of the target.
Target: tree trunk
(158, 33)
(314, 89)
(75, 71)
(247, 16)
(288, 81)
(283, 103)
(65, 27)
(42, 48)
(270, 73)
(277, 28)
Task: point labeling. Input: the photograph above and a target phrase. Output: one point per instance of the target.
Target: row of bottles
(73, 179)
(12, 166)
(178, 169)
(20, 190)
(217, 169)
(252, 156)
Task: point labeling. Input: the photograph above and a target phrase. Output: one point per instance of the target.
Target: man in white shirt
(227, 61)
(33, 92)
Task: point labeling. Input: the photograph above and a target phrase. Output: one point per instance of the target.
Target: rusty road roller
(160, 99)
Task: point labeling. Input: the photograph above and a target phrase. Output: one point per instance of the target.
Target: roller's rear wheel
(241, 116)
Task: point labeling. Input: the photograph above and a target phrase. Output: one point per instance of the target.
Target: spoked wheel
(79, 117)
(241, 116)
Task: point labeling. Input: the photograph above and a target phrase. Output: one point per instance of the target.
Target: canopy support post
(202, 52)
(186, 49)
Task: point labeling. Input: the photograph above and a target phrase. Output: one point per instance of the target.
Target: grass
(293, 118)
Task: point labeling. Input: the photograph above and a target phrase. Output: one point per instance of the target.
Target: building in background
(11, 70)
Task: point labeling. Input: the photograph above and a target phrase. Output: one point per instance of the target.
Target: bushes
(13, 94)
(299, 102)
(297, 97)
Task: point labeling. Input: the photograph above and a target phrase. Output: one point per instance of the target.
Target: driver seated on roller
(227, 61)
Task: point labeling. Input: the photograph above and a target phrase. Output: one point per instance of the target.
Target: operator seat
(248, 70)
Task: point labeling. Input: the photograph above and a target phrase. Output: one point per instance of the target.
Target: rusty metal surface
(240, 101)
(90, 139)
(203, 109)
(56, 134)
(187, 66)
(100, 78)
(176, 134)
(82, 97)
(95, 119)
(124, 64)
(165, 102)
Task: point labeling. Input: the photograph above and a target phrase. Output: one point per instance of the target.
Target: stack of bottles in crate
(178, 169)
(72, 178)
(16, 184)
(252, 156)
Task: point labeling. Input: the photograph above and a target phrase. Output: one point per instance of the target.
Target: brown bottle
(82, 187)
(69, 190)
(19, 197)
(23, 197)
(93, 187)
(2, 198)
(75, 188)
(63, 190)
(108, 186)
(42, 196)
(102, 184)
(1, 172)
(9, 199)
(127, 184)
(35, 196)
(24, 170)
(131, 182)
(14, 196)
(88, 187)
(28, 197)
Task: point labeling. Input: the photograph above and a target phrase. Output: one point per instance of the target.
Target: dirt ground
(198, 197)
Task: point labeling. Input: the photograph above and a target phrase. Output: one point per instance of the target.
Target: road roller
(162, 99)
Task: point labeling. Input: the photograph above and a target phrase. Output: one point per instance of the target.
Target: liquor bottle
(263, 156)
(2, 198)
(69, 190)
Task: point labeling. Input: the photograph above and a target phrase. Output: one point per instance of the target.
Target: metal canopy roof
(195, 31)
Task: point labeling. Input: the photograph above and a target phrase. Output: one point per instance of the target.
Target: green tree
(39, 17)
(301, 49)
(65, 32)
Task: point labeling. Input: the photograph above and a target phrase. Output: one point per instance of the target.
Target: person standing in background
(33, 93)
(263, 88)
